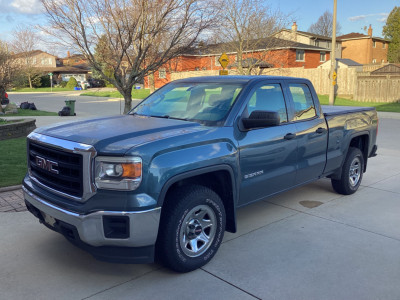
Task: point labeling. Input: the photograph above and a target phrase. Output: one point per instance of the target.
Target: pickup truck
(164, 181)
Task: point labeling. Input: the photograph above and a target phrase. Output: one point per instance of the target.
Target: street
(308, 243)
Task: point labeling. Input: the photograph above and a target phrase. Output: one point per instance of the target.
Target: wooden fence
(359, 86)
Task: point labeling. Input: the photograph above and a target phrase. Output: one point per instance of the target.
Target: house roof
(253, 45)
(387, 70)
(75, 56)
(32, 53)
(64, 69)
(348, 62)
(356, 35)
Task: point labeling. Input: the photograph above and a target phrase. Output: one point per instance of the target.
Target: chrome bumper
(143, 225)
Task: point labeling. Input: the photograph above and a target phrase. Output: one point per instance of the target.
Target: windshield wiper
(168, 117)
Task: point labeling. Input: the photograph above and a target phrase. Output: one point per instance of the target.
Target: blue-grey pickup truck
(164, 181)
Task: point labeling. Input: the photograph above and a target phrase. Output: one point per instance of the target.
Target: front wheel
(352, 173)
(191, 229)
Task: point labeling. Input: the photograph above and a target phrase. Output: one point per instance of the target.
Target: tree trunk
(128, 100)
(30, 80)
(151, 83)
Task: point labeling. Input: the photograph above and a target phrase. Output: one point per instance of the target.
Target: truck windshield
(206, 103)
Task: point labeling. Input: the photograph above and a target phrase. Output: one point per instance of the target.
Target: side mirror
(261, 119)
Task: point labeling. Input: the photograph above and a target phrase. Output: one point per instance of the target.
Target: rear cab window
(304, 107)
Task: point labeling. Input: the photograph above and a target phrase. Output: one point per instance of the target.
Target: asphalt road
(85, 106)
(309, 243)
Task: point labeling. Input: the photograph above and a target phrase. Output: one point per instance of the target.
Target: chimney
(294, 27)
(68, 54)
(294, 31)
(370, 30)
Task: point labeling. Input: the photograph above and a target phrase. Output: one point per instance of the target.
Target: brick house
(364, 49)
(280, 54)
(310, 39)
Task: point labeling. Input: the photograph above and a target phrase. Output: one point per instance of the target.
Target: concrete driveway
(309, 243)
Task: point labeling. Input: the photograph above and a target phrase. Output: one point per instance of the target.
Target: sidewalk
(12, 201)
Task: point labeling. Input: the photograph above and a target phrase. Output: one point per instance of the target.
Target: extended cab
(164, 181)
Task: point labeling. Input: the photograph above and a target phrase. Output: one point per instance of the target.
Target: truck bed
(340, 110)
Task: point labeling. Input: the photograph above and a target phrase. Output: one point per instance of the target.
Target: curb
(10, 188)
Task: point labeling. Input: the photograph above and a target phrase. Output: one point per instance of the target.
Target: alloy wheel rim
(198, 230)
(355, 171)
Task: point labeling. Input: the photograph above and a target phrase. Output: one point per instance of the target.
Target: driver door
(267, 156)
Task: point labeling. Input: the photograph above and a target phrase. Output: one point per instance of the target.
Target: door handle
(320, 130)
(289, 136)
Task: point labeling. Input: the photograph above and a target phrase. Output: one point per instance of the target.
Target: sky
(353, 15)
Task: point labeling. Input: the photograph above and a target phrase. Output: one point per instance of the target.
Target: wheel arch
(218, 178)
(359, 140)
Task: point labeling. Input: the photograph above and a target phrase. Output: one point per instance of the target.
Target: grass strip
(13, 161)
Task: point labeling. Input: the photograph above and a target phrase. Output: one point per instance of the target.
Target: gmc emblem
(46, 164)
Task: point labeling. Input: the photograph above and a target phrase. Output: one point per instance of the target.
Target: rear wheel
(191, 229)
(352, 173)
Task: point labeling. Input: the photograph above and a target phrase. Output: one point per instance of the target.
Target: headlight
(118, 173)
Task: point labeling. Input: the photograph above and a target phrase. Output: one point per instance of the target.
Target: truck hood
(103, 132)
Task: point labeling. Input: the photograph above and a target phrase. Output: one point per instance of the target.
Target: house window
(374, 61)
(383, 60)
(216, 62)
(50, 61)
(383, 45)
(299, 55)
(44, 61)
(316, 43)
(374, 44)
(322, 56)
(34, 61)
(162, 73)
(328, 45)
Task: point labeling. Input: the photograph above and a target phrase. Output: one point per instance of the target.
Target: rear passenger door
(311, 132)
(267, 155)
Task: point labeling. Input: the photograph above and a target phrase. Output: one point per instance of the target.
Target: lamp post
(332, 76)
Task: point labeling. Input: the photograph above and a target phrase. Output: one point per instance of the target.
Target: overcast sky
(353, 15)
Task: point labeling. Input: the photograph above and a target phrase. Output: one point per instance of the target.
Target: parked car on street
(164, 181)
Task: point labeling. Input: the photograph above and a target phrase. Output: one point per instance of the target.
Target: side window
(268, 97)
(304, 107)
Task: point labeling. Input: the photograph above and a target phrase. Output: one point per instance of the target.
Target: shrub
(72, 83)
(63, 84)
(45, 80)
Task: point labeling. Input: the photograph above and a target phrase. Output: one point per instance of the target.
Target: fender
(230, 209)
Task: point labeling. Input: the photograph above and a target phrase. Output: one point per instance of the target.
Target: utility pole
(333, 58)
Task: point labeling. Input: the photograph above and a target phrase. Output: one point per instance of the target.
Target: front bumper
(88, 230)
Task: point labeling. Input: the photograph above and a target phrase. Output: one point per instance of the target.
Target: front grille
(69, 179)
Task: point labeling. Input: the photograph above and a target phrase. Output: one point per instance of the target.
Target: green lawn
(12, 161)
(391, 107)
(4, 121)
(136, 94)
(41, 90)
(28, 112)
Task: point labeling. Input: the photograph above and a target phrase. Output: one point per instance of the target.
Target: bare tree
(24, 43)
(141, 35)
(8, 68)
(324, 25)
(247, 27)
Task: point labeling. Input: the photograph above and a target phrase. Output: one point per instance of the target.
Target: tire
(352, 173)
(191, 229)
